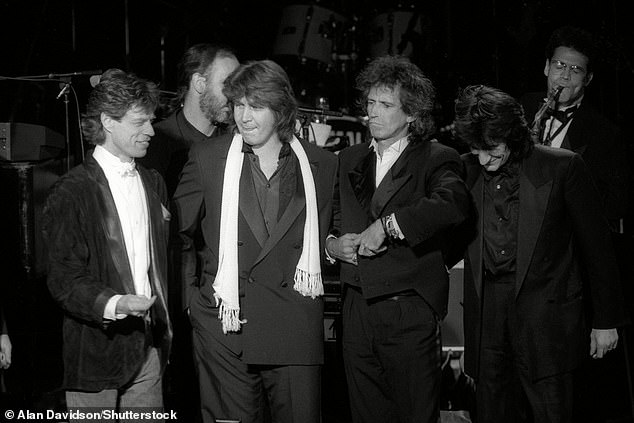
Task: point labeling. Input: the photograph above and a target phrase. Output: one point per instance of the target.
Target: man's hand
(5, 351)
(602, 341)
(134, 305)
(344, 248)
(371, 240)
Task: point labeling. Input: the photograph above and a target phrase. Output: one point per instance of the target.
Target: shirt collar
(284, 151)
(396, 147)
(112, 164)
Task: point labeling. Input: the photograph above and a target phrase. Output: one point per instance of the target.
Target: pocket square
(166, 213)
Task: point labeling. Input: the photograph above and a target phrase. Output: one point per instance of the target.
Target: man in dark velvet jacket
(542, 244)
(106, 226)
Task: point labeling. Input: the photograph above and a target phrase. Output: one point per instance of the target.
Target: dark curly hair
(417, 92)
(115, 94)
(264, 83)
(486, 117)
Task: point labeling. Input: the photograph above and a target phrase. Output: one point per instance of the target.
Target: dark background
(459, 42)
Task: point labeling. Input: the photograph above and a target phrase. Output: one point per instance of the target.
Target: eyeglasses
(560, 67)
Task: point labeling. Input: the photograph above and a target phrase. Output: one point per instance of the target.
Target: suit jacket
(283, 327)
(600, 144)
(170, 145)
(88, 264)
(563, 240)
(424, 189)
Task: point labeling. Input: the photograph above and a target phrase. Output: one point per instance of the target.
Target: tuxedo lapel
(112, 226)
(535, 191)
(158, 219)
(476, 182)
(576, 137)
(394, 179)
(362, 179)
(249, 205)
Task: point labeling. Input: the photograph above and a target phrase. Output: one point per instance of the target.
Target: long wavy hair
(417, 92)
(264, 83)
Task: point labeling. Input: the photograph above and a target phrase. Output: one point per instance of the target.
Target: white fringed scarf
(308, 271)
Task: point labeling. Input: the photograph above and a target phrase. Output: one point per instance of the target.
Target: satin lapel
(290, 215)
(577, 137)
(476, 247)
(111, 226)
(249, 205)
(534, 194)
(392, 182)
(157, 223)
(362, 180)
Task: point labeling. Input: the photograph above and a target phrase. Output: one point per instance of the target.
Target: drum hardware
(306, 115)
(395, 32)
(310, 32)
(407, 36)
(302, 43)
(390, 31)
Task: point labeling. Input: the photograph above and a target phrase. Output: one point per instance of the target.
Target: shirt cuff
(328, 256)
(110, 312)
(397, 228)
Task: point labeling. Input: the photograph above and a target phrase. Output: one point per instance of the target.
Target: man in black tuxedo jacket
(399, 196)
(542, 244)
(574, 124)
(571, 57)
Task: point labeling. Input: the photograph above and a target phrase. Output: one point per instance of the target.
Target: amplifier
(28, 142)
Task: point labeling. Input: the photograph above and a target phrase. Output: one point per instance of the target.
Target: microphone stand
(305, 121)
(64, 91)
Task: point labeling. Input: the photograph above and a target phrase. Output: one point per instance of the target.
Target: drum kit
(322, 50)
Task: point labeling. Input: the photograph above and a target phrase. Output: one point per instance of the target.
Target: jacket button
(240, 243)
(284, 284)
(357, 278)
(297, 246)
(251, 280)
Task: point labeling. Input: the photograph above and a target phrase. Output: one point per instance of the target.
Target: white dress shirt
(131, 203)
(552, 126)
(384, 163)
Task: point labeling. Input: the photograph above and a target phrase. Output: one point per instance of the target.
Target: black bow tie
(562, 116)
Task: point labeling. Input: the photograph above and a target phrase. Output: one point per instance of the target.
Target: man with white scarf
(262, 201)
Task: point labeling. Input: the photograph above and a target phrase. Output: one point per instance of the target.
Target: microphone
(78, 73)
(64, 90)
(319, 111)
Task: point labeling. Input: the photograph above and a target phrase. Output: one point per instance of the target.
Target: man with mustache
(201, 110)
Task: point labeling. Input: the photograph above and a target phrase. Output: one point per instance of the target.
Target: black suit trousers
(234, 390)
(392, 359)
(505, 392)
